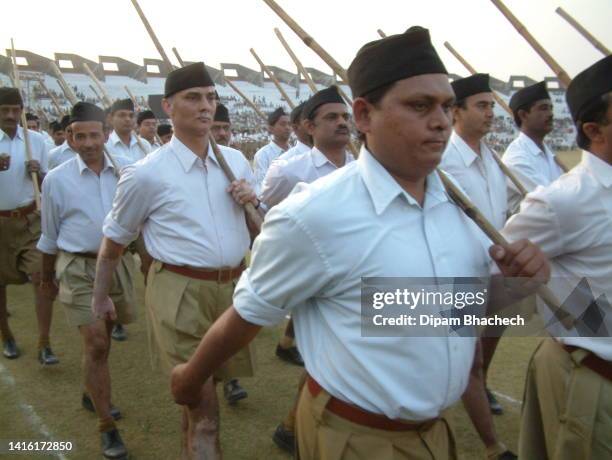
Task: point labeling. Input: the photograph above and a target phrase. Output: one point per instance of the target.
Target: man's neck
(198, 145)
(305, 142)
(150, 140)
(126, 137)
(414, 187)
(335, 154)
(602, 154)
(96, 165)
(471, 139)
(535, 137)
(10, 132)
(282, 145)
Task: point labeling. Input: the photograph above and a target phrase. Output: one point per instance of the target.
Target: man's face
(166, 138)
(222, 132)
(192, 110)
(33, 125)
(148, 128)
(9, 117)
(123, 121)
(281, 130)
(408, 129)
(330, 126)
(539, 119)
(477, 116)
(59, 137)
(87, 139)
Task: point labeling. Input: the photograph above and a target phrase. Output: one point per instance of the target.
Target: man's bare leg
(5, 330)
(96, 347)
(203, 430)
(44, 312)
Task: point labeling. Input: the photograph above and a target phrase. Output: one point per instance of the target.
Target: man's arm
(229, 334)
(109, 256)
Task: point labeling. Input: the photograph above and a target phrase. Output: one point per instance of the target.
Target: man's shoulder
(61, 172)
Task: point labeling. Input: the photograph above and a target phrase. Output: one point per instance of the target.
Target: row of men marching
(330, 219)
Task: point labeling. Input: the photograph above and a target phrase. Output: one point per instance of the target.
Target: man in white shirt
(280, 130)
(222, 126)
(528, 156)
(304, 141)
(76, 198)
(164, 132)
(195, 229)
(63, 152)
(470, 161)
(147, 127)
(19, 221)
(383, 215)
(327, 123)
(123, 141)
(58, 132)
(568, 394)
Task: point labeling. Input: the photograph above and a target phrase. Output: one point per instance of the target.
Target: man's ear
(362, 115)
(592, 130)
(167, 106)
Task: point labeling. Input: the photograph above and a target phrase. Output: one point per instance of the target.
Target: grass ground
(35, 399)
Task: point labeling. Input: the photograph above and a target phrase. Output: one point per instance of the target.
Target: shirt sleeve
(260, 166)
(131, 205)
(276, 185)
(283, 274)
(49, 218)
(537, 222)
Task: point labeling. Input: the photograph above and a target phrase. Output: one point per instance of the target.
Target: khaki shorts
(179, 312)
(76, 276)
(18, 254)
(322, 434)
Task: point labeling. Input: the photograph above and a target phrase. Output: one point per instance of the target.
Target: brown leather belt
(362, 417)
(87, 255)
(19, 212)
(593, 362)
(220, 276)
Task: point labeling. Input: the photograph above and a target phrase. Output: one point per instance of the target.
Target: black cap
(222, 114)
(10, 96)
(122, 104)
(65, 121)
(325, 96)
(55, 126)
(190, 76)
(145, 115)
(588, 85)
(164, 129)
(296, 113)
(84, 111)
(474, 84)
(525, 96)
(275, 116)
(31, 117)
(393, 58)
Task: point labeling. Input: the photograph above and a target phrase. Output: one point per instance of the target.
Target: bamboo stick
(178, 57)
(106, 100)
(26, 134)
(585, 33)
(160, 49)
(63, 84)
(132, 97)
(247, 100)
(52, 97)
(296, 61)
(521, 29)
(93, 88)
(381, 33)
(273, 78)
(549, 298)
(307, 39)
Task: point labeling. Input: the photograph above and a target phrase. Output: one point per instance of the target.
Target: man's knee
(35, 278)
(97, 345)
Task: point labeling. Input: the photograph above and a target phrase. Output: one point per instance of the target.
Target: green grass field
(34, 398)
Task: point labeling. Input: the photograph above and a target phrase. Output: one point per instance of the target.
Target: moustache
(342, 130)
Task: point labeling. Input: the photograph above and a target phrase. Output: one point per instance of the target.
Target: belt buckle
(15, 213)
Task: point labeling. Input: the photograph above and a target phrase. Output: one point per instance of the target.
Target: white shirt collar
(531, 146)
(82, 166)
(383, 188)
(115, 139)
(186, 156)
(598, 168)
(319, 158)
(19, 134)
(465, 151)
